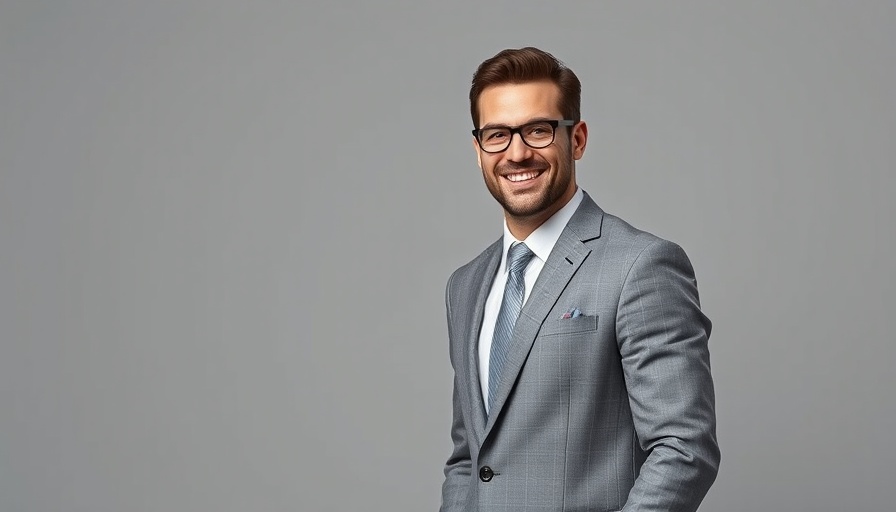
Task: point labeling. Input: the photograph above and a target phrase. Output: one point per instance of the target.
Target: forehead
(513, 104)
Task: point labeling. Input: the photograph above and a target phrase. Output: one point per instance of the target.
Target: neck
(521, 228)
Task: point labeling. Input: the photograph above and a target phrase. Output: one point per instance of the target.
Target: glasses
(536, 135)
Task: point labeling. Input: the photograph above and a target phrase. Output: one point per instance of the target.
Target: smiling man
(581, 368)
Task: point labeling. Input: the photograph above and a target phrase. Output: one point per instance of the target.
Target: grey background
(225, 230)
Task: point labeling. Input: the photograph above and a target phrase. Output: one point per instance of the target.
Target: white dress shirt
(541, 242)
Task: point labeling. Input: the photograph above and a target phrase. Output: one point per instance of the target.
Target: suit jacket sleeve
(662, 336)
(458, 467)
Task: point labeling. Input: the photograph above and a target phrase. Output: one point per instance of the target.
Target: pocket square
(571, 313)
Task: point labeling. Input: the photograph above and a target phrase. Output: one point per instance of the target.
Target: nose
(518, 151)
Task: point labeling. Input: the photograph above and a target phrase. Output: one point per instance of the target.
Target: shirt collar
(542, 240)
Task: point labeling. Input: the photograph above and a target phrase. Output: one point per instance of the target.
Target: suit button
(486, 473)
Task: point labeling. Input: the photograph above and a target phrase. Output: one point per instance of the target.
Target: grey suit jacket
(611, 410)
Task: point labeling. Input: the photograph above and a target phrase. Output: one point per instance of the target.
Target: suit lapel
(565, 259)
(482, 279)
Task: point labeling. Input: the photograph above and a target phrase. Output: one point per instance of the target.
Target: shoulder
(467, 272)
(634, 244)
(620, 240)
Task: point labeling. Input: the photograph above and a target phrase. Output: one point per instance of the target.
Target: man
(581, 368)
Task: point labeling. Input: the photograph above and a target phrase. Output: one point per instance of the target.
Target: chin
(524, 209)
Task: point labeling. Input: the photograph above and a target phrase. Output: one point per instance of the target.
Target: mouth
(518, 177)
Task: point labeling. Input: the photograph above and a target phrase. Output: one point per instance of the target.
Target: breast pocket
(583, 323)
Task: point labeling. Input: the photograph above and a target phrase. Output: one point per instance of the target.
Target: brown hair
(516, 66)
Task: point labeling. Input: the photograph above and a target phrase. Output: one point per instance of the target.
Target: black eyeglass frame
(554, 123)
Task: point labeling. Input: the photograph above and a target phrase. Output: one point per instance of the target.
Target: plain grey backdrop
(226, 227)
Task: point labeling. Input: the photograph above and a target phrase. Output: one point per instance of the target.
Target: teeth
(523, 176)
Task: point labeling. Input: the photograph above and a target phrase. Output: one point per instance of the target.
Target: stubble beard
(549, 194)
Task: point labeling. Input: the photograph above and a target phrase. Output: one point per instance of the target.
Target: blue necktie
(517, 259)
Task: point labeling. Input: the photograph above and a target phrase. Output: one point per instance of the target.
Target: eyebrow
(533, 120)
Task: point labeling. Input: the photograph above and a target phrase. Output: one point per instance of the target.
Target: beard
(537, 201)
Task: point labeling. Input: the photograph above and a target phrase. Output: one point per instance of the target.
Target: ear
(579, 140)
(478, 154)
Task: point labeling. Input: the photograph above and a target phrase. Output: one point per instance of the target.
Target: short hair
(517, 66)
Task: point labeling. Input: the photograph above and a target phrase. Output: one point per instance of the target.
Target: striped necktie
(517, 259)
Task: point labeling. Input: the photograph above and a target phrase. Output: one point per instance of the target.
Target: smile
(523, 176)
